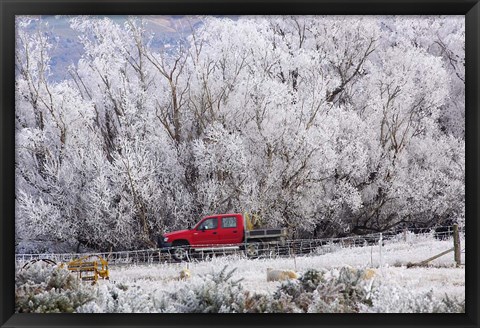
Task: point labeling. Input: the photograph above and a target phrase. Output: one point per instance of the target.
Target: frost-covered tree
(326, 125)
(53, 132)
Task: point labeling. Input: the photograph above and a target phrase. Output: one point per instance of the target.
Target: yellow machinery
(90, 268)
(251, 222)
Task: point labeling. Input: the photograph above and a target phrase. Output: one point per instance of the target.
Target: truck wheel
(253, 250)
(180, 251)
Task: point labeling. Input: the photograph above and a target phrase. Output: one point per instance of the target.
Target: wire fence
(272, 249)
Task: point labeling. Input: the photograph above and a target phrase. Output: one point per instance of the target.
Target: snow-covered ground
(441, 276)
(337, 284)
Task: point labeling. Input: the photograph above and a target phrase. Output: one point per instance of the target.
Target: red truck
(221, 231)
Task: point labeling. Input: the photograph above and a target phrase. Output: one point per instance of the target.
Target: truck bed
(265, 233)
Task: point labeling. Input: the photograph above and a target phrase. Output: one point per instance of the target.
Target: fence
(289, 248)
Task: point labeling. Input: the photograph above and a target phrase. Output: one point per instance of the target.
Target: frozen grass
(213, 285)
(441, 275)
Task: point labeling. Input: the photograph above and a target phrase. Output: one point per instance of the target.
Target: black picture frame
(10, 8)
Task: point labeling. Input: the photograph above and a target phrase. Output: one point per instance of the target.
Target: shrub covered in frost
(316, 291)
(391, 299)
(119, 298)
(215, 293)
(43, 288)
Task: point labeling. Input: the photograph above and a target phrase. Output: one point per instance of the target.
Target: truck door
(230, 232)
(206, 232)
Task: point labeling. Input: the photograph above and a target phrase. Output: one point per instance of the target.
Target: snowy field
(441, 275)
(354, 279)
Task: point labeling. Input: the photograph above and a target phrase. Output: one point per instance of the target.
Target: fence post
(380, 249)
(456, 245)
(371, 256)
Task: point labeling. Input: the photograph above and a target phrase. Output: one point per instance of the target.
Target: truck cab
(218, 229)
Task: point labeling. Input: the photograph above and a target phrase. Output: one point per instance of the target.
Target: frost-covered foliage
(323, 124)
(337, 291)
(42, 288)
(216, 293)
(119, 298)
(392, 299)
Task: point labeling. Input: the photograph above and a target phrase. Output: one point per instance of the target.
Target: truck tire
(254, 249)
(180, 251)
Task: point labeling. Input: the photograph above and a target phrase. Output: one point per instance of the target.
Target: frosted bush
(52, 301)
(311, 279)
(41, 272)
(90, 307)
(46, 288)
(128, 299)
(120, 298)
(392, 299)
(49, 289)
(214, 293)
(336, 291)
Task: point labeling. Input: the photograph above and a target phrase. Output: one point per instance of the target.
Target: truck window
(208, 224)
(229, 222)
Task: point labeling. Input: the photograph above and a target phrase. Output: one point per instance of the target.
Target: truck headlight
(165, 239)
